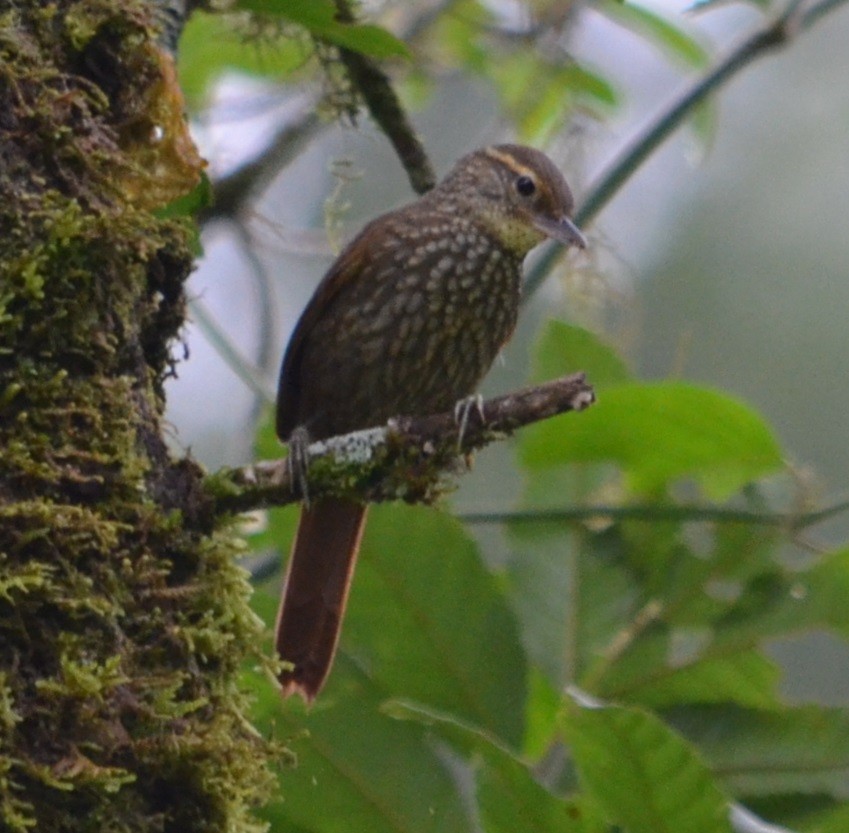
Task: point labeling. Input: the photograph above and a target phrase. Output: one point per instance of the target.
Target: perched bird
(407, 320)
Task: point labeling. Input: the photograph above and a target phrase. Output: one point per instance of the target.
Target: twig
(406, 459)
(234, 191)
(251, 375)
(374, 86)
(771, 35)
(685, 513)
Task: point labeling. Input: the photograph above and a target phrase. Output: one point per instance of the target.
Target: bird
(407, 321)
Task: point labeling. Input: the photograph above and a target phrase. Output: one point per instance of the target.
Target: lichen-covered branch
(407, 459)
(235, 190)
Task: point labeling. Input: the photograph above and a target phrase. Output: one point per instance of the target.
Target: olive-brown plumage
(407, 321)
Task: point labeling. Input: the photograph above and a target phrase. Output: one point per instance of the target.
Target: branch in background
(374, 86)
(654, 513)
(234, 191)
(406, 459)
(773, 34)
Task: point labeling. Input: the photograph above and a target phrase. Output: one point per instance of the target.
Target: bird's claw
(462, 409)
(297, 461)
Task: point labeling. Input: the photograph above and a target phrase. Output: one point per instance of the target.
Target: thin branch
(376, 89)
(652, 513)
(234, 191)
(773, 34)
(406, 459)
(247, 372)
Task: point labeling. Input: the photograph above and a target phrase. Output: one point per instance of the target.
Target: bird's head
(518, 193)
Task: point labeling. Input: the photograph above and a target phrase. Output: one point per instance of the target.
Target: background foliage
(600, 661)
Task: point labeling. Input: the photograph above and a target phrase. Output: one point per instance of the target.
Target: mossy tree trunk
(123, 621)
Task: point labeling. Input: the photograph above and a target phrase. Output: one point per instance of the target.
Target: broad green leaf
(703, 643)
(509, 798)
(659, 433)
(319, 17)
(430, 623)
(564, 348)
(425, 617)
(788, 601)
(748, 679)
(820, 594)
(795, 750)
(661, 31)
(674, 645)
(571, 593)
(647, 778)
(357, 769)
(541, 717)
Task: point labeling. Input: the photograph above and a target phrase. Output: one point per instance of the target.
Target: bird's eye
(525, 186)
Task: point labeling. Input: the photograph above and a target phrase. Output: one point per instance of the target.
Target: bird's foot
(462, 410)
(297, 461)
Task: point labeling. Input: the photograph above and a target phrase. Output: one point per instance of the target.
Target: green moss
(123, 619)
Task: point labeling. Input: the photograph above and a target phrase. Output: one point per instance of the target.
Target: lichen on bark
(123, 618)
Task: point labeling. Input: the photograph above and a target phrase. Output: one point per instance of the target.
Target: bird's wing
(350, 263)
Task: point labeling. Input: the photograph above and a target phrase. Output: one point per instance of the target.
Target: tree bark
(123, 619)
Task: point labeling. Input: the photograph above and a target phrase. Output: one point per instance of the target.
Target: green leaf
(675, 644)
(430, 623)
(667, 35)
(561, 349)
(748, 679)
(834, 821)
(564, 348)
(659, 433)
(571, 592)
(795, 750)
(647, 778)
(785, 601)
(541, 724)
(509, 798)
(356, 768)
(819, 596)
(319, 17)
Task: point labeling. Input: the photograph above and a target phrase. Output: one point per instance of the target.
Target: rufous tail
(315, 592)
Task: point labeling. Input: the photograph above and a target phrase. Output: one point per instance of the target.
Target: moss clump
(123, 619)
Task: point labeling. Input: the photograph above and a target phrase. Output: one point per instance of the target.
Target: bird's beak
(563, 231)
